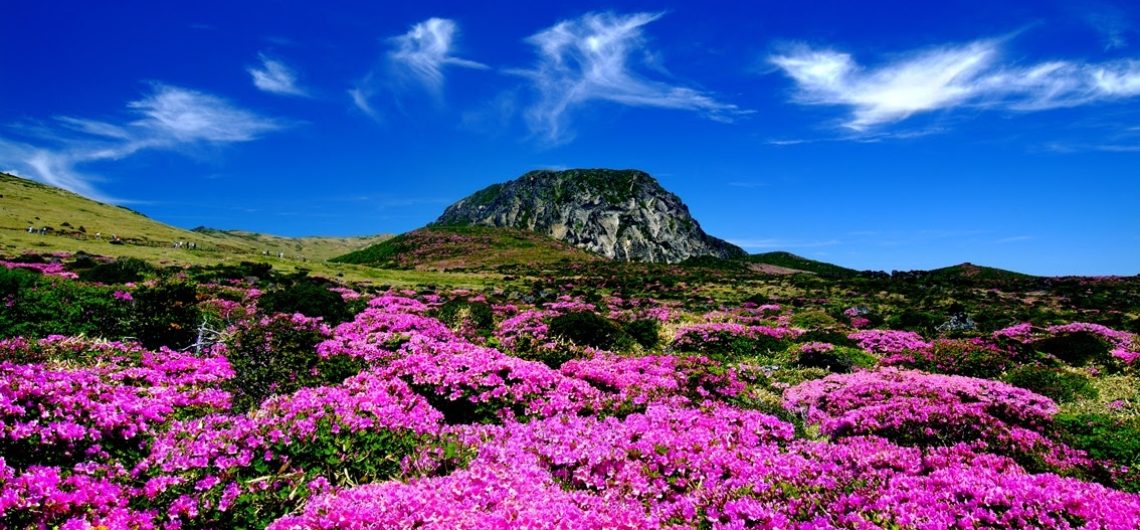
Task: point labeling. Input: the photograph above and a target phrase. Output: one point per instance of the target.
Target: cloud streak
(593, 58)
(275, 77)
(167, 118)
(948, 77)
(417, 59)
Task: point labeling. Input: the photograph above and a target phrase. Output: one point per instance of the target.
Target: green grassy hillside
(75, 222)
(787, 260)
(440, 247)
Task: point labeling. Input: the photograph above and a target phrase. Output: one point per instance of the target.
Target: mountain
(620, 214)
(465, 247)
(72, 222)
(794, 263)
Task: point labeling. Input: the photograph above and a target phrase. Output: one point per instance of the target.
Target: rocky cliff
(621, 214)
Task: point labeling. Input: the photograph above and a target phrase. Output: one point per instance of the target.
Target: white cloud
(167, 118)
(178, 115)
(591, 59)
(275, 77)
(929, 80)
(425, 49)
(948, 77)
(417, 60)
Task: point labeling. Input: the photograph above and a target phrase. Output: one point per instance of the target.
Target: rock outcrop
(620, 214)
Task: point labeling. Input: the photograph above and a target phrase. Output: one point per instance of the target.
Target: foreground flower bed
(436, 432)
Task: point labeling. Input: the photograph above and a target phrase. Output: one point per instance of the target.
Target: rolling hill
(792, 263)
(469, 247)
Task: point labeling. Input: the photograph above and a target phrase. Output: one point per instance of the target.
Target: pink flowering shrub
(241, 470)
(483, 497)
(56, 269)
(526, 332)
(920, 409)
(889, 342)
(378, 335)
(971, 357)
(66, 415)
(646, 379)
(719, 338)
(469, 383)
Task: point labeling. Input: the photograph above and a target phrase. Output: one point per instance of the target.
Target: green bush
(813, 319)
(310, 297)
(1075, 349)
(590, 330)
(278, 356)
(1059, 385)
(464, 315)
(122, 270)
(1111, 441)
(646, 332)
(839, 359)
(35, 306)
(165, 314)
(829, 336)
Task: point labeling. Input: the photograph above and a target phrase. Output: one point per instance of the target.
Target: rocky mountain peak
(620, 214)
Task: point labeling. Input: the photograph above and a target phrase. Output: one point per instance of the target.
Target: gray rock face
(621, 214)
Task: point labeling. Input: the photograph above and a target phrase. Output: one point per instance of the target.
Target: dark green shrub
(1111, 441)
(1076, 349)
(165, 314)
(813, 319)
(646, 332)
(590, 330)
(915, 320)
(460, 315)
(122, 270)
(829, 336)
(34, 306)
(308, 296)
(278, 356)
(839, 359)
(1059, 385)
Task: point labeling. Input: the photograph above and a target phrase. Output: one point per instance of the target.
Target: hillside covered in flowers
(136, 397)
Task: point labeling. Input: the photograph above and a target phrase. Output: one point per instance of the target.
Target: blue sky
(880, 135)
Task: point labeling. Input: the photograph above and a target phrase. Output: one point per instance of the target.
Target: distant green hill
(970, 271)
(788, 260)
(440, 247)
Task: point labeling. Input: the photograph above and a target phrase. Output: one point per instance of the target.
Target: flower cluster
(888, 341)
(916, 408)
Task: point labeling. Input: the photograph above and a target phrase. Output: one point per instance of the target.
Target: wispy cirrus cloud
(594, 58)
(416, 59)
(167, 118)
(948, 77)
(275, 77)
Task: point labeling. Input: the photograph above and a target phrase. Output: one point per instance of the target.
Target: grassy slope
(976, 272)
(788, 260)
(25, 203)
(465, 247)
